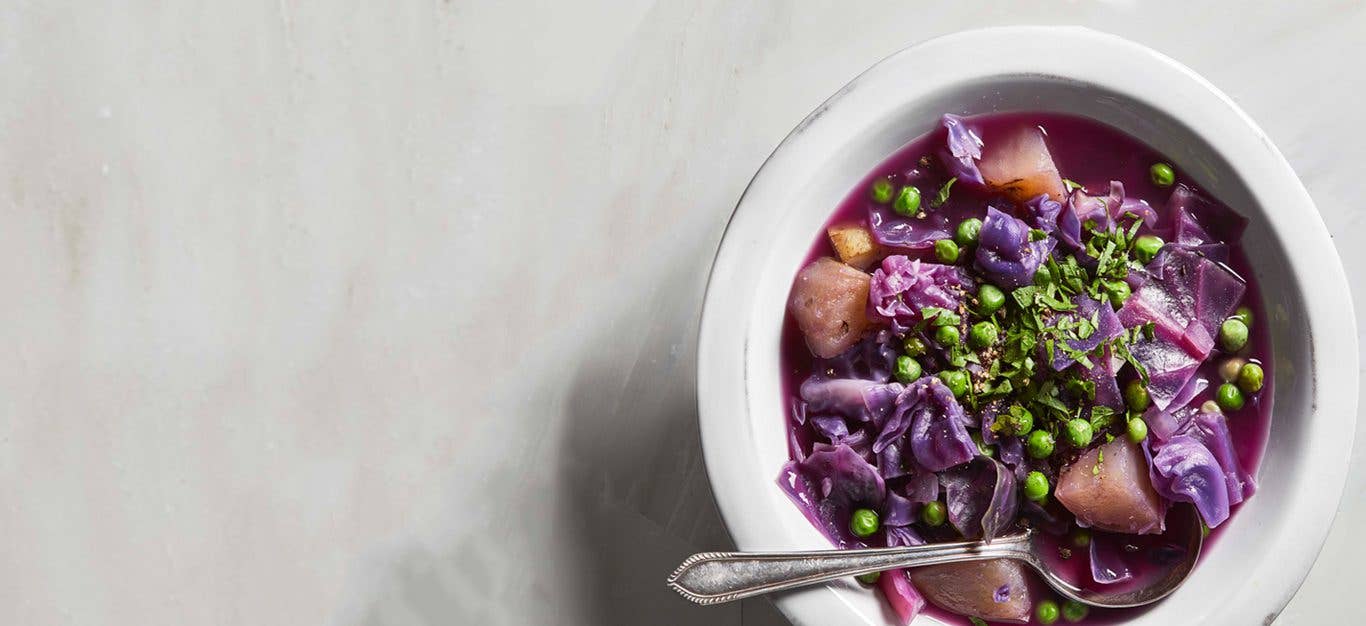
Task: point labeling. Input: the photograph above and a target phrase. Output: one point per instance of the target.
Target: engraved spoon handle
(716, 577)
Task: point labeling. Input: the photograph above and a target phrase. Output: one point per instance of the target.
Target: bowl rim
(724, 345)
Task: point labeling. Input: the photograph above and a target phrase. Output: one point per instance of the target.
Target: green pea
(1081, 538)
(1015, 421)
(914, 346)
(956, 380)
(933, 513)
(907, 202)
(990, 299)
(1147, 247)
(1078, 432)
(1046, 612)
(882, 191)
(1228, 370)
(1232, 335)
(1074, 611)
(1039, 444)
(969, 231)
(946, 336)
(1042, 276)
(1136, 396)
(1162, 174)
(870, 578)
(1245, 315)
(1229, 397)
(946, 251)
(1250, 378)
(982, 335)
(863, 522)
(1036, 486)
(1138, 429)
(1117, 291)
(907, 369)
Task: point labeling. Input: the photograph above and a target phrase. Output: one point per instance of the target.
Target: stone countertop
(384, 312)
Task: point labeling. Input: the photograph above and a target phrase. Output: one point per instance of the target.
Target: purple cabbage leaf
(1007, 253)
(964, 149)
(928, 412)
(981, 498)
(902, 288)
(828, 485)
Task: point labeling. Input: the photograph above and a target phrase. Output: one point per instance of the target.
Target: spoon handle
(716, 577)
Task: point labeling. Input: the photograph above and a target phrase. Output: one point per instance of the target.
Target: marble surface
(383, 313)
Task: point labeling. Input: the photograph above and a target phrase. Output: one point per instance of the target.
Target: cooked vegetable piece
(829, 302)
(1229, 369)
(1042, 276)
(1135, 396)
(864, 522)
(972, 589)
(1036, 486)
(1138, 429)
(1047, 612)
(905, 600)
(1232, 335)
(1147, 247)
(907, 369)
(990, 299)
(983, 334)
(855, 245)
(1229, 397)
(968, 231)
(1074, 611)
(934, 513)
(881, 191)
(914, 346)
(1113, 494)
(1162, 174)
(907, 202)
(1250, 378)
(1020, 166)
(946, 251)
(1079, 432)
(955, 380)
(1039, 444)
(1117, 291)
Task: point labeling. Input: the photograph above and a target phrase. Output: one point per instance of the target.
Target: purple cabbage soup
(1017, 320)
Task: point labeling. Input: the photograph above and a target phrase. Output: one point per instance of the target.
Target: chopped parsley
(943, 195)
(1040, 322)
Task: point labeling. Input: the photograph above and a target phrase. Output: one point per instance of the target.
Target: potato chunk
(1112, 492)
(854, 245)
(830, 304)
(1020, 166)
(970, 589)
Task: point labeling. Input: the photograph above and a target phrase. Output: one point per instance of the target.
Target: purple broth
(1092, 154)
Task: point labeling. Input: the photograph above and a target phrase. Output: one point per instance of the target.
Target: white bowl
(1264, 555)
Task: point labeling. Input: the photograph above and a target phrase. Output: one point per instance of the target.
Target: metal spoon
(717, 577)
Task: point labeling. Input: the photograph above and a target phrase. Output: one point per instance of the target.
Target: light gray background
(384, 312)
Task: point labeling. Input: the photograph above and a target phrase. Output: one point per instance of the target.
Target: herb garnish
(1040, 322)
(943, 195)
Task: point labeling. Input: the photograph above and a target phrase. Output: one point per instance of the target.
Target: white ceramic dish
(1269, 546)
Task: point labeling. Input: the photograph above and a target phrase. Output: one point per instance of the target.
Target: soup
(1023, 319)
